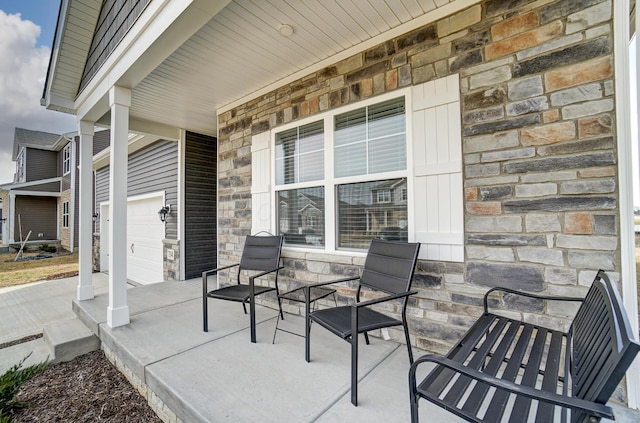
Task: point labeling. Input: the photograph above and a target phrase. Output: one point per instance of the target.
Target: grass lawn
(21, 272)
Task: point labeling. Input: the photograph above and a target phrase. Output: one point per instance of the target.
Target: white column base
(85, 292)
(117, 316)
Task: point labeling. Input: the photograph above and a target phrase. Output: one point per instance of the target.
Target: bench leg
(205, 312)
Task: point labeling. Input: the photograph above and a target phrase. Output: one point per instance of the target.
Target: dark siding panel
(48, 187)
(41, 164)
(115, 19)
(200, 243)
(38, 215)
(152, 169)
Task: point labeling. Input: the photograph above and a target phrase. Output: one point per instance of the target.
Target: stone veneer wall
(96, 252)
(65, 233)
(537, 99)
(171, 259)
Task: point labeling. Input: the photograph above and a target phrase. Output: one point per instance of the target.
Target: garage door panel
(145, 233)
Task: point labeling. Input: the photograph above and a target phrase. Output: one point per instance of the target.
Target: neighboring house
(495, 133)
(39, 203)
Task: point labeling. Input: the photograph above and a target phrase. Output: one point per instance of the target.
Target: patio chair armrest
(315, 285)
(266, 272)
(525, 294)
(600, 410)
(212, 271)
(383, 299)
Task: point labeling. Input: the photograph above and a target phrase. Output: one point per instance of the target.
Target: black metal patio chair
(388, 268)
(260, 254)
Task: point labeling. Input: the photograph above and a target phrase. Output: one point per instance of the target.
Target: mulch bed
(86, 389)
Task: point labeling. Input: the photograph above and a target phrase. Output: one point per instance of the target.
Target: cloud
(23, 68)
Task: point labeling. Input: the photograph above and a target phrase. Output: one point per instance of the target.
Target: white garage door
(145, 233)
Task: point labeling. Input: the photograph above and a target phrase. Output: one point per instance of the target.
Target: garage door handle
(131, 248)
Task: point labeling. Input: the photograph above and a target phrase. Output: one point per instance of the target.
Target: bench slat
(460, 386)
(497, 405)
(437, 380)
(551, 372)
(476, 398)
(522, 404)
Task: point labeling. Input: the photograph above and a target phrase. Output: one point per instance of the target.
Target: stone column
(118, 309)
(85, 232)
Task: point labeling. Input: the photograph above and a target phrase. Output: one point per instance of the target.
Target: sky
(26, 37)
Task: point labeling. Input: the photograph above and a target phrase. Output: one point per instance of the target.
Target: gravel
(86, 389)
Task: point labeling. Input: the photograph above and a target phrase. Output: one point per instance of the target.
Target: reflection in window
(371, 139)
(300, 154)
(362, 217)
(301, 216)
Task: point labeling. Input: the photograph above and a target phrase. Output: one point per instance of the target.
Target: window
(365, 152)
(65, 214)
(20, 176)
(66, 159)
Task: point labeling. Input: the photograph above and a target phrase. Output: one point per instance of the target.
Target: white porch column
(85, 230)
(118, 310)
(10, 218)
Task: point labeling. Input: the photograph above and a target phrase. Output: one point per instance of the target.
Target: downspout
(72, 198)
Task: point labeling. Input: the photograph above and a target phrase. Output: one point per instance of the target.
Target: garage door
(145, 233)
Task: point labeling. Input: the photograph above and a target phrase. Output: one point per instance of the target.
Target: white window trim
(65, 214)
(330, 182)
(66, 159)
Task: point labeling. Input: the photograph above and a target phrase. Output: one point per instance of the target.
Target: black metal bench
(504, 367)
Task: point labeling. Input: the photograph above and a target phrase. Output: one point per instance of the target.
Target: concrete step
(68, 339)
(11, 356)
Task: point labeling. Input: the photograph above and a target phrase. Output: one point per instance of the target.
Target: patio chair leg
(205, 313)
(354, 356)
(307, 332)
(244, 307)
(366, 338)
(408, 340)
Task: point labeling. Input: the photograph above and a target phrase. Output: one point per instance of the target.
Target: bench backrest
(603, 345)
(389, 266)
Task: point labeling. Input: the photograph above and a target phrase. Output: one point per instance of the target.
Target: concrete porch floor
(221, 376)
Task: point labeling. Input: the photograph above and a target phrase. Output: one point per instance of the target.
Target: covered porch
(191, 376)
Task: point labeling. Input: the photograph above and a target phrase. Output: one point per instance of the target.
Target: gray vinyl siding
(41, 164)
(200, 241)
(115, 19)
(100, 141)
(152, 169)
(38, 215)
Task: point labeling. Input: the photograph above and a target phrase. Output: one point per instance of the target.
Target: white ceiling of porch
(240, 52)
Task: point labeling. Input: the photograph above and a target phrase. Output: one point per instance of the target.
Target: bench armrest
(525, 294)
(596, 409)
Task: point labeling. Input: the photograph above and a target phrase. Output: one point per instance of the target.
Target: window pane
(291, 144)
(387, 154)
(371, 210)
(351, 160)
(301, 216)
(371, 140)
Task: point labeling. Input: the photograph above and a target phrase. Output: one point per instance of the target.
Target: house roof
(36, 139)
(208, 55)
